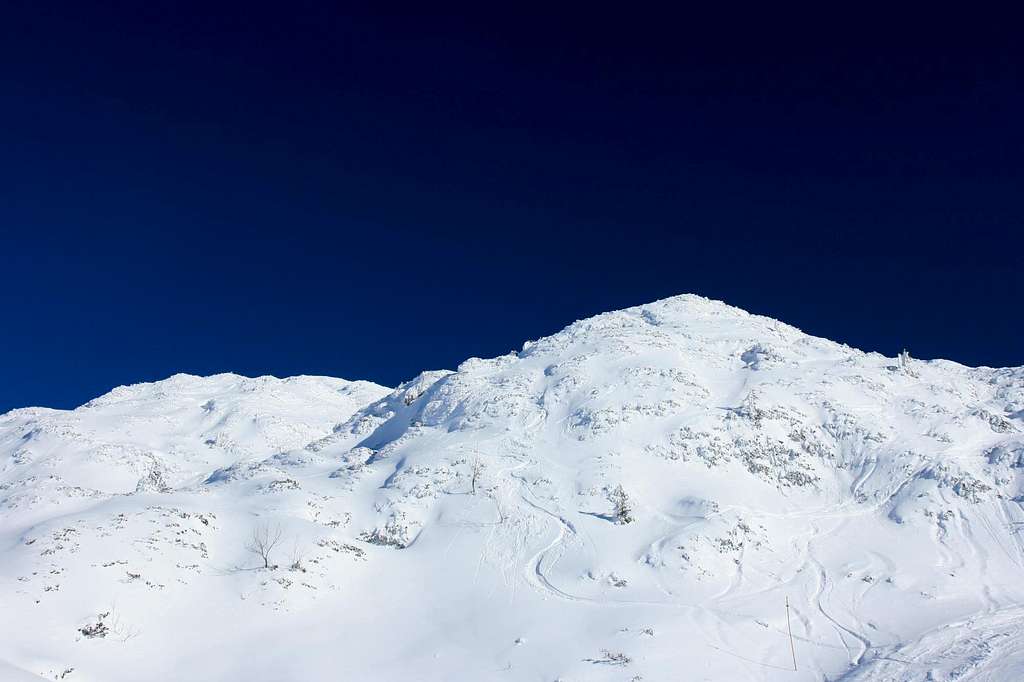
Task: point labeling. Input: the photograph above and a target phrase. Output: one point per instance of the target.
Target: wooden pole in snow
(789, 627)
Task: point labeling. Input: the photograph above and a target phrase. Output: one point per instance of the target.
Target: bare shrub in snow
(297, 555)
(476, 472)
(109, 623)
(610, 658)
(97, 629)
(265, 538)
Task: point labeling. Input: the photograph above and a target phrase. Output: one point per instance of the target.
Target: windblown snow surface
(881, 497)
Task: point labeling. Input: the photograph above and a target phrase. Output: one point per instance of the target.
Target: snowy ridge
(465, 524)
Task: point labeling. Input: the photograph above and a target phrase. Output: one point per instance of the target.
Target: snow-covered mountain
(633, 498)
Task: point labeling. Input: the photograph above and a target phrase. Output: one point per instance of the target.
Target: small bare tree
(622, 506)
(476, 472)
(265, 538)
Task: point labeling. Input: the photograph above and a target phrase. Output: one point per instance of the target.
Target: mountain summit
(638, 497)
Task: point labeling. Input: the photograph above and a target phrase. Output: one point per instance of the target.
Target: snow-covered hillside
(462, 526)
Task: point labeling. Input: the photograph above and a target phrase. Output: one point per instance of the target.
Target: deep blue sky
(293, 189)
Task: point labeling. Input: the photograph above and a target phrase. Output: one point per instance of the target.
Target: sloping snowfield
(464, 526)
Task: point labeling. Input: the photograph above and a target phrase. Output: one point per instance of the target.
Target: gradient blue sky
(284, 189)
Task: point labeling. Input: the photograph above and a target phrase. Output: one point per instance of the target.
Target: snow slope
(881, 496)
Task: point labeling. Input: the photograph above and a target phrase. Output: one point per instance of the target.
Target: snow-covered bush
(622, 506)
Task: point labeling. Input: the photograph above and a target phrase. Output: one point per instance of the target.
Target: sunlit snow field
(460, 527)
